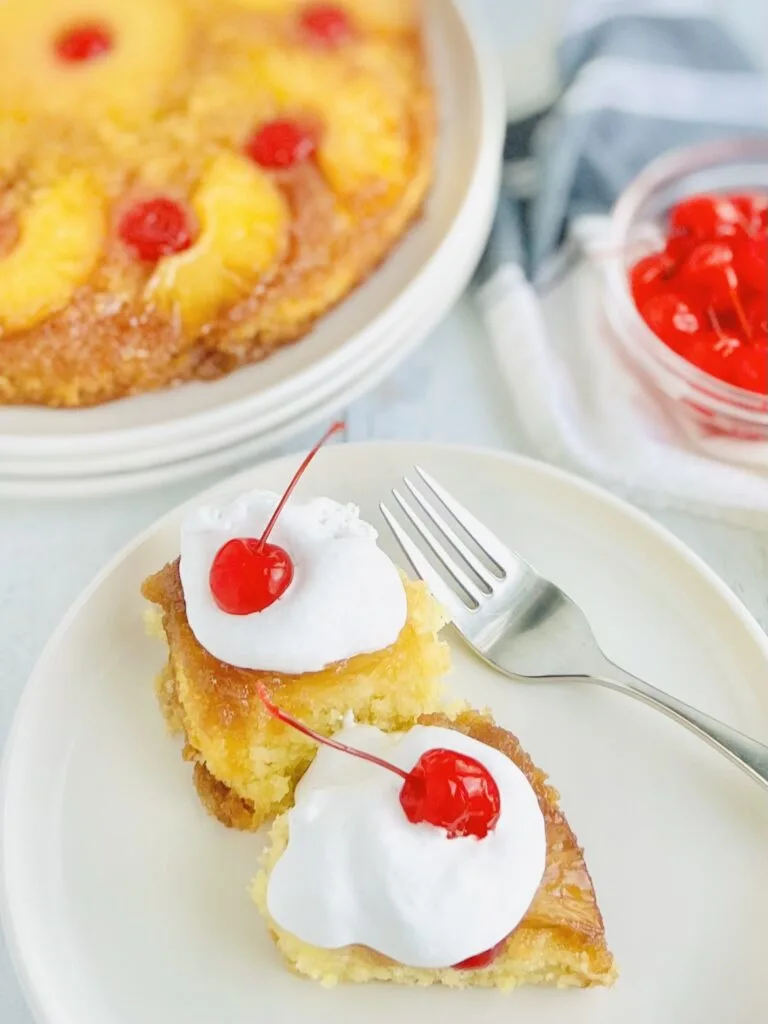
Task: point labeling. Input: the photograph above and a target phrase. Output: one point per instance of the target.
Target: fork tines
(474, 585)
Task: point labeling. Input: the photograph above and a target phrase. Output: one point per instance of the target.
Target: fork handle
(747, 753)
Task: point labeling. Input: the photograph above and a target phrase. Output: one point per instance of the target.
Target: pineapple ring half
(365, 139)
(149, 44)
(244, 222)
(61, 233)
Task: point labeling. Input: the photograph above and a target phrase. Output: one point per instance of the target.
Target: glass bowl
(728, 421)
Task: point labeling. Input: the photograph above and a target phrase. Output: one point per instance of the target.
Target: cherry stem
(333, 429)
(283, 716)
(715, 322)
(740, 313)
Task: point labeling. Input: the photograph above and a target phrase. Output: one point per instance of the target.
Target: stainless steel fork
(523, 624)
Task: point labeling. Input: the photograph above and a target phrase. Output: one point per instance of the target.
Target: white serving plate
(471, 98)
(124, 902)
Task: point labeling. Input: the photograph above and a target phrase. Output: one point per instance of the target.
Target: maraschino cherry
(155, 228)
(281, 143)
(754, 210)
(480, 960)
(709, 268)
(82, 43)
(452, 791)
(750, 261)
(670, 316)
(704, 217)
(705, 294)
(444, 788)
(326, 25)
(648, 275)
(248, 574)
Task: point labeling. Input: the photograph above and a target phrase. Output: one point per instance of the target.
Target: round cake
(186, 185)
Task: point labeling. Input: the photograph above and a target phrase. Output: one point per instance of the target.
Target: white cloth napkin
(637, 78)
(582, 409)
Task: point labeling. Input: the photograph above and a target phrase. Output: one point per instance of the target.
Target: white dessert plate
(418, 275)
(123, 901)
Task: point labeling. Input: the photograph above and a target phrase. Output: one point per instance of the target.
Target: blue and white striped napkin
(638, 77)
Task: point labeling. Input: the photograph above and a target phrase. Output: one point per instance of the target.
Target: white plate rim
(43, 1014)
(492, 96)
(158, 476)
(131, 481)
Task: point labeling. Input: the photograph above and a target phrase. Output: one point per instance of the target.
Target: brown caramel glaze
(9, 228)
(566, 895)
(220, 802)
(231, 693)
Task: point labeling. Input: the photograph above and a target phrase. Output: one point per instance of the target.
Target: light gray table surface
(448, 391)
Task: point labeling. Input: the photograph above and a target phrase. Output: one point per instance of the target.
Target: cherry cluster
(705, 294)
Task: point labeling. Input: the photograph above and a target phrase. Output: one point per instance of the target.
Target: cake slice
(246, 763)
(559, 941)
(270, 596)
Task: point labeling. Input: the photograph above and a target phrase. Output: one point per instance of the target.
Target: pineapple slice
(124, 84)
(244, 221)
(375, 15)
(365, 140)
(59, 243)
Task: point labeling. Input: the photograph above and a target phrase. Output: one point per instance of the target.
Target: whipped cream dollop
(346, 596)
(356, 871)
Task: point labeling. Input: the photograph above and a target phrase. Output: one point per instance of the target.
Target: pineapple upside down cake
(186, 185)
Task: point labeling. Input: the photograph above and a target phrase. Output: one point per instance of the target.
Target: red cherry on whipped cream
(249, 574)
(452, 791)
(444, 788)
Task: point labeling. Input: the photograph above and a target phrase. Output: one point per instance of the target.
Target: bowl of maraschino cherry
(687, 288)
